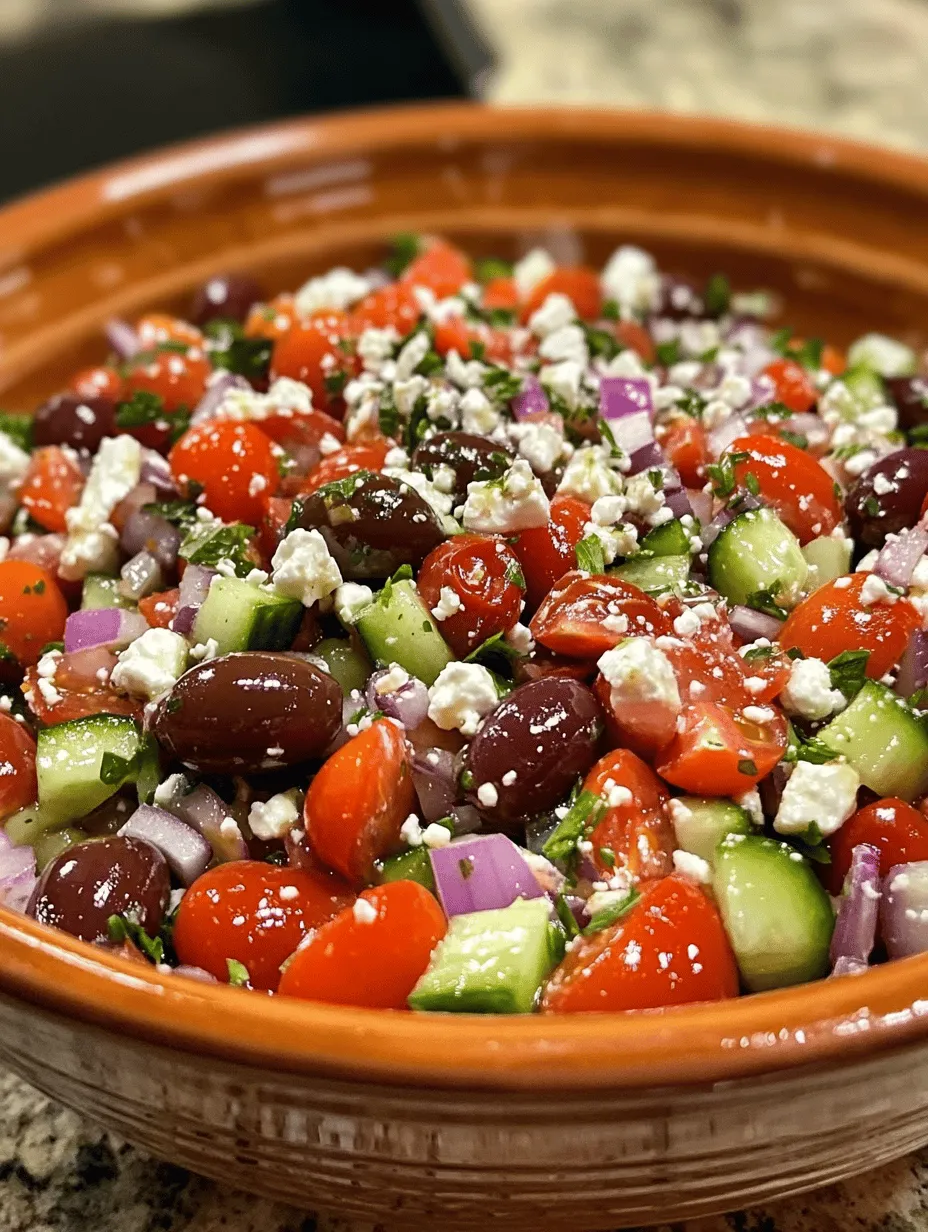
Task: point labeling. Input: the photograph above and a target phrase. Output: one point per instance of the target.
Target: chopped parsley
(590, 557)
(238, 973)
(404, 248)
(747, 766)
(18, 428)
(722, 473)
(811, 843)
(765, 600)
(488, 268)
(145, 407)
(717, 296)
(582, 817)
(668, 353)
(848, 671)
(122, 929)
(612, 914)
(207, 544)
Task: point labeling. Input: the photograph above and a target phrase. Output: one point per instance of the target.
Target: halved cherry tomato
(32, 609)
(485, 575)
(457, 334)
(18, 785)
(792, 385)
(637, 338)
(254, 913)
(234, 463)
(313, 351)
(898, 831)
(670, 949)
(635, 836)
(578, 282)
(645, 728)
(794, 483)
(773, 668)
(350, 458)
(371, 954)
(833, 619)
(299, 432)
(271, 320)
(179, 380)
(501, 293)
(686, 446)
(79, 689)
(271, 531)
(358, 801)
(161, 608)
(53, 484)
(98, 382)
(441, 267)
(394, 305)
(585, 616)
(156, 328)
(718, 752)
(548, 552)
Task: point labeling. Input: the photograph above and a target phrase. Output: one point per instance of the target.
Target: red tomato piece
(358, 801)
(247, 911)
(485, 574)
(585, 616)
(79, 691)
(178, 379)
(896, 829)
(442, 268)
(371, 954)
(313, 351)
(792, 482)
(156, 328)
(234, 462)
(670, 949)
(18, 785)
(792, 385)
(685, 445)
(501, 293)
(834, 619)
(99, 382)
(457, 334)
(300, 432)
(645, 728)
(368, 457)
(53, 484)
(637, 338)
(635, 836)
(548, 552)
(32, 609)
(271, 531)
(394, 305)
(718, 752)
(161, 608)
(271, 320)
(579, 283)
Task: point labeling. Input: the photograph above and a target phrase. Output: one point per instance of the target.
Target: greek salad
(463, 636)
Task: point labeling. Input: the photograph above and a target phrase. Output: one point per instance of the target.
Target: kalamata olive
(244, 713)
(469, 457)
(910, 394)
(226, 297)
(531, 749)
(888, 496)
(371, 523)
(69, 419)
(83, 886)
(679, 299)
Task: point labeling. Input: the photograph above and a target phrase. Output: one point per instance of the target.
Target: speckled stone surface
(854, 66)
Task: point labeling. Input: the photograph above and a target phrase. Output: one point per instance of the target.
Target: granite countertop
(856, 68)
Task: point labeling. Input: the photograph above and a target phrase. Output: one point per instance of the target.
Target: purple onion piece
(140, 576)
(904, 909)
(770, 788)
(530, 400)
(646, 458)
(626, 403)
(17, 875)
(710, 531)
(900, 554)
(195, 973)
(855, 928)
(111, 627)
(701, 504)
(194, 587)
(157, 472)
(435, 784)
(467, 819)
(751, 625)
(678, 502)
(206, 812)
(849, 966)
(122, 338)
(209, 404)
(187, 852)
(913, 666)
(409, 703)
(148, 532)
(763, 392)
(724, 433)
(481, 873)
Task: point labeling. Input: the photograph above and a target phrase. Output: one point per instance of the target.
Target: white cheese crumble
(531, 269)
(692, 867)
(487, 795)
(875, 591)
(150, 665)
(461, 696)
(514, 502)
(882, 354)
(541, 444)
(449, 603)
(631, 278)
(808, 693)
(826, 795)
(392, 680)
(91, 543)
(477, 413)
(555, 313)
(637, 671)
(589, 475)
(363, 911)
(339, 288)
(304, 569)
(275, 817)
(350, 600)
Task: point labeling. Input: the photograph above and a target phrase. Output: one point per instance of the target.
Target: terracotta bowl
(460, 1122)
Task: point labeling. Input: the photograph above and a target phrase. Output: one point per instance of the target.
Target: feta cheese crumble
(150, 665)
(516, 501)
(826, 795)
(304, 569)
(638, 672)
(808, 693)
(461, 696)
(273, 818)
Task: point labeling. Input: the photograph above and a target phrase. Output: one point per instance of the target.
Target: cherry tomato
(300, 432)
(579, 283)
(774, 669)
(394, 305)
(501, 293)
(271, 531)
(312, 352)
(442, 268)
(457, 334)
(372, 954)
(548, 552)
(670, 949)
(18, 785)
(645, 728)
(485, 575)
(98, 382)
(271, 320)
(32, 609)
(637, 338)
(348, 459)
(156, 328)
(833, 619)
(792, 385)
(718, 752)
(80, 689)
(179, 380)
(585, 616)
(685, 445)
(635, 836)
(235, 464)
(247, 911)
(161, 608)
(708, 668)
(898, 831)
(358, 801)
(792, 482)
(53, 484)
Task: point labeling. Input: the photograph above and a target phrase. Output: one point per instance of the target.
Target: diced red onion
(710, 530)
(855, 928)
(481, 873)
(409, 703)
(206, 812)
(751, 625)
(627, 404)
(900, 554)
(751, 339)
(434, 781)
(140, 576)
(904, 909)
(849, 966)
(724, 433)
(111, 627)
(195, 973)
(150, 533)
(677, 501)
(646, 458)
(809, 425)
(467, 819)
(763, 392)
(194, 587)
(17, 874)
(209, 404)
(122, 338)
(701, 504)
(186, 850)
(530, 400)
(157, 472)
(913, 666)
(141, 494)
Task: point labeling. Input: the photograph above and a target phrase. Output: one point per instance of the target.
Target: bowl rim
(827, 1021)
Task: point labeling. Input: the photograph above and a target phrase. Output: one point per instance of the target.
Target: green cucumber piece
(700, 823)
(827, 559)
(240, 616)
(778, 917)
(755, 552)
(411, 865)
(349, 665)
(69, 759)
(884, 740)
(670, 539)
(53, 842)
(859, 390)
(100, 591)
(398, 628)
(656, 574)
(882, 355)
(490, 962)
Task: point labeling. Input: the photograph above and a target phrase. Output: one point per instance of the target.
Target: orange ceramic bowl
(460, 1122)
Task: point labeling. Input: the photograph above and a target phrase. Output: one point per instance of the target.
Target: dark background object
(75, 96)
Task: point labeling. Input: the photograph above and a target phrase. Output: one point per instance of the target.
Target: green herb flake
(612, 914)
(813, 750)
(590, 556)
(238, 973)
(207, 545)
(811, 843)
(566, 917)
(466, 868)
(121, 929)
(717, 296)
(582, 816)
(765, 600)
(747, 766)
(18, 428)
(404, 248)
(848, 671)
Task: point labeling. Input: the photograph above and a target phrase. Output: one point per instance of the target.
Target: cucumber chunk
(827, 559)
(884, 740)
(700, 823)
(69, 759)
(240, 616)
(668, 540)
(656, 574)
(411, 865)
(490, 962)
(778, 917)
(755, 552)
(398, 628)
(349, 665)
(100, 591)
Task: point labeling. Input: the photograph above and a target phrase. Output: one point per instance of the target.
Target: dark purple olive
(531, 750)
(470, 457)
(226, 297)
(910, 394)
(888, 497)
(679, 299)
(371, 523)
(244, 713)
(69, 419)
(87, 883)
